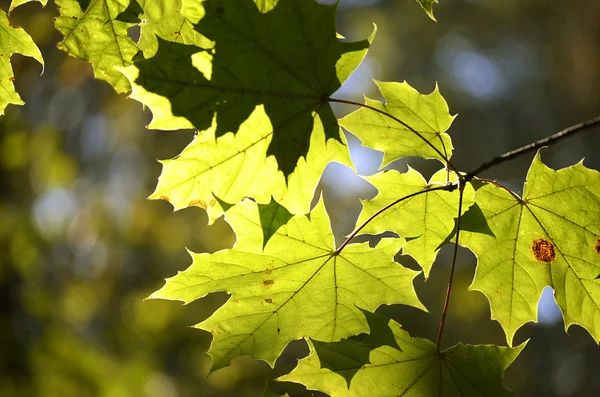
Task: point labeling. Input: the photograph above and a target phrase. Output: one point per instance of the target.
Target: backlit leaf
(426, 114)
(409, 366)
(165, 19)
(284, 56)
(425, 221)
(91, 31)
(297, 287)
(15, 3)
(213, 171)
(13, 40)
(428, 7)
(546, 238)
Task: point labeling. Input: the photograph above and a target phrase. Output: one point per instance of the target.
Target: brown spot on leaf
(11, 79)
(597, 247)
(269, 300)
(166, 198)
(269, 271)
(268, 283)
(543, 250)
(197, 203)
(212, 202)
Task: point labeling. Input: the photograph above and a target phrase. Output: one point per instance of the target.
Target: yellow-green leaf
(283, 56)
(428, 7)
(549, 237)
(392, 363)
(425, 221)
(212, 171)
(428, 115)
(13, 40)
(166, 19)
(92, 32)
(297, 287)
(15, 3)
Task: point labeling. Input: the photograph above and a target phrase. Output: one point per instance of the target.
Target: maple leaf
(549, 237)
(15, 3)
(428, 115)
(281, 56)
(297, 286)
(426, 221)
(13, 40)
(210, 172)
(169, 21)
(428, 7)
(392, 363)
(93, 32)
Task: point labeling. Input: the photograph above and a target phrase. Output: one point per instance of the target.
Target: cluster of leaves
(255, 79)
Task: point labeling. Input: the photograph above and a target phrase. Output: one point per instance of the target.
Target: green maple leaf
(13, 40)
(167, 20)
(549, 237)
(392, 363)
(425, 221)
(279, 58)
(297, 286)
(211, 171)
(93, 32)
(15, 3)
(426, 114)
(428, 7)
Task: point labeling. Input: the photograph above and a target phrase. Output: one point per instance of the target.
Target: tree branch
(534, 146)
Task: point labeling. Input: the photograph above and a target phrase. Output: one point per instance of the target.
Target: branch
(534, 146)
(449, 188)
(442, 155)
(454, 255)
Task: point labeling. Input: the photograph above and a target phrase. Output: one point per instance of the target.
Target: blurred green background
(81, 247)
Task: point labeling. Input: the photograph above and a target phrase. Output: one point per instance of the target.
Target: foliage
(392, 363)
(255, 79)
(13, 40)
(547, 237)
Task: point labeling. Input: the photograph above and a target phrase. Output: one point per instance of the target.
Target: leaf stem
(449, 187)
(572, 130)
(496, 183)
(438, 342)
(364, 105)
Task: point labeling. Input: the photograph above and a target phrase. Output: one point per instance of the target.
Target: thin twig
(364, 105)
(534, 146)
(390, 205)
(454, 255)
